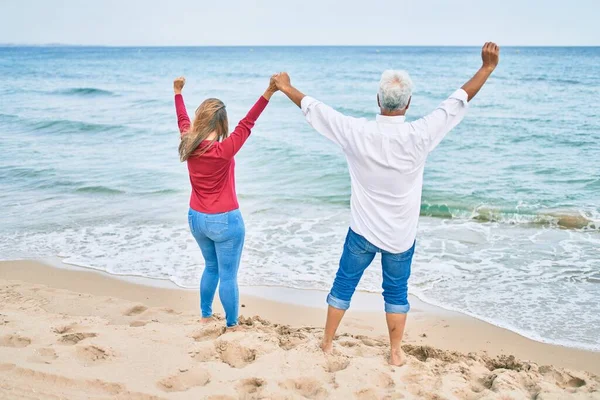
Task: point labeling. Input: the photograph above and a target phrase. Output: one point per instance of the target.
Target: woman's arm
(240, 134)
(182, 117)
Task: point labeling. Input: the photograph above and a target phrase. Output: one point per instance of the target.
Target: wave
(26, 172)
(84, 91)
(565, 219)
(70, 126)
(553, 80)
(99, 190)
(161, 191)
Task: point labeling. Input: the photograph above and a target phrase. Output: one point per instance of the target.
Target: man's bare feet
(397, 358)
(207, 320)
(234, 328)
(327, 347)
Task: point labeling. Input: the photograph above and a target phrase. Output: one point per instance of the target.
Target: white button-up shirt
(386, 159)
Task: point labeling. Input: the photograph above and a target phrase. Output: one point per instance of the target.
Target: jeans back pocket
(217, 224)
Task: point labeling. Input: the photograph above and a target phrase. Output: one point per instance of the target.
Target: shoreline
(427, 324)
(362, 300)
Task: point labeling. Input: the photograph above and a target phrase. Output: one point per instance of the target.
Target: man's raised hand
(282, 80)
(490, 55)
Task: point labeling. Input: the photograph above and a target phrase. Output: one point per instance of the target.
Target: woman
(214, 216)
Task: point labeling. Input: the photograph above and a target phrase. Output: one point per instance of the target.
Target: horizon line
(277, 45)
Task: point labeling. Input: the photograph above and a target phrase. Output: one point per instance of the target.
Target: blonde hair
(211, 116)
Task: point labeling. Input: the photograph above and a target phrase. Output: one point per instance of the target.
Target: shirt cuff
(461, 95)
(306, 102)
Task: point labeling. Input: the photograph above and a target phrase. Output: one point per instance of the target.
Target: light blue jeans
(221, 239)
(357, 256)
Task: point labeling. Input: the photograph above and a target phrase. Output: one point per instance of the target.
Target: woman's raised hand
(178, 84)
(271, 89)
(272, 84)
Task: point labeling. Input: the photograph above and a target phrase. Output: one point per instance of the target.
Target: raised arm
(183, 121)
(490, 55)
(434, 126)
(332, 124)
(240, 134)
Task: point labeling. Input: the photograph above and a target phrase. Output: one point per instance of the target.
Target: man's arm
(490, 55)
(434, 127)
(294, 94)
(332, 124)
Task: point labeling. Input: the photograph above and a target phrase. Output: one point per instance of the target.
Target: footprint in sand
(14, 341)
(61, 330)
(135, 310)
(336, 363)
(357, 348)
(74, 338)
(384, 381)
(250, 388)
(562, 378)
(205, 352)
(306, 387)
(44, 355)
(234, 354)
(184, 380)
(290, 338)
(209, 332)
(367, 394)
(137, 324)
(89, 355)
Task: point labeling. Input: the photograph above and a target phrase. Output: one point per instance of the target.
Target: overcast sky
(300, 22)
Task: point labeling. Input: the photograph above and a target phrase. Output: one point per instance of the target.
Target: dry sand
(85, 335)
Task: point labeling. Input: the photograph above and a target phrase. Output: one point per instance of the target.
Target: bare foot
(207, 320)
(397, 358)
(234, 328)
(327, 347)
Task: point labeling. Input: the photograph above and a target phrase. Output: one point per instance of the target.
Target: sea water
(510, 225)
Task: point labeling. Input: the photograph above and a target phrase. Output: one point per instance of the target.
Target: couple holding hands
(386, 159)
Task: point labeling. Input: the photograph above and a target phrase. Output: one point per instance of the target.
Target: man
(386, 159)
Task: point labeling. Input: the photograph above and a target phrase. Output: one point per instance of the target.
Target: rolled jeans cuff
(397, 308)
(337, 303)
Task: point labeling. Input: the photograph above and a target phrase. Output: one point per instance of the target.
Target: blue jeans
(221, 239)
(357, 256)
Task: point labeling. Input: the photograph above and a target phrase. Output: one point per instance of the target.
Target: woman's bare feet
(397, 358)
(327, 347)
(207, 320)
(234, 328)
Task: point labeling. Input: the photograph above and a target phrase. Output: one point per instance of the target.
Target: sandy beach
(79, 334)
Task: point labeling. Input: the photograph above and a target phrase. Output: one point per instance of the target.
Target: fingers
(491, 47)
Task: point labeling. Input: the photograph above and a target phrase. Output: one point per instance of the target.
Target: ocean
(510, 218)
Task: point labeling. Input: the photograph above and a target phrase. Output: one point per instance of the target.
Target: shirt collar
(386, 119)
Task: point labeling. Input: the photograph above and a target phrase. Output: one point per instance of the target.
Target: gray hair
(395, 89)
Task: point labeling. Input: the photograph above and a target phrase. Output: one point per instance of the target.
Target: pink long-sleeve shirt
(212, 174)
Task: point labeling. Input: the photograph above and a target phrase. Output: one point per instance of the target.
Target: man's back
(386, 159)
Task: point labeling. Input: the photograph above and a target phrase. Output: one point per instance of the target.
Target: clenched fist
(178, 84)
(272, 85)
(490, 54)
(282, 80)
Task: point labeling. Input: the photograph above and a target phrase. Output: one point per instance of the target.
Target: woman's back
(211, 166)
(213, 181)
